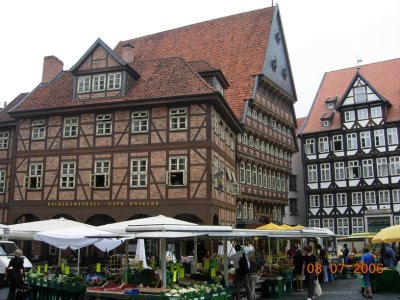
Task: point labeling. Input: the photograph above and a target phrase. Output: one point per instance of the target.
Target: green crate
(275, 287)
(288, 286)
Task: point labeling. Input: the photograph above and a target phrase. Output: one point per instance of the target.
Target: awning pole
(225, 241)
(163, 262)
(195, 253)
(79, 260)
(126, 264)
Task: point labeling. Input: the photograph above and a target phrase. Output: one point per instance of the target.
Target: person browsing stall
(367, 259)
(241, 277)
(15, 273)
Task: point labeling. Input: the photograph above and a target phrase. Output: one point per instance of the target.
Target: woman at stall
(15, 273)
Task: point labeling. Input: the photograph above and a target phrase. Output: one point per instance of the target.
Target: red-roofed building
(351, 149)
(151, 127)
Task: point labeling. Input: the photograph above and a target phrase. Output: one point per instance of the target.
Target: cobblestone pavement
(343, 289)
(348, 289)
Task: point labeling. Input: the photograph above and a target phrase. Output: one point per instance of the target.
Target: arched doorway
(215, 220)
(100, 219)
(138, 216)
(65, 216)
(189, 218)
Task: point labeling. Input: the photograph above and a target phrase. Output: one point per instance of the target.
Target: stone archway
(138, 216)
(215, 220)
(65, 216)
(100, 219)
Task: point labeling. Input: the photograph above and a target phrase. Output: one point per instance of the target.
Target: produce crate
(288, 287)
(275, 287)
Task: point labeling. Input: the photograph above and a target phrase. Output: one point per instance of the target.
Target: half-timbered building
(351, 150)
(194, 126)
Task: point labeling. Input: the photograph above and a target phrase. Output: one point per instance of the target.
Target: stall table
(387, 281)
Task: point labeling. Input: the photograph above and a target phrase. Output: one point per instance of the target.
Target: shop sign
(377, 211)
(101, 203)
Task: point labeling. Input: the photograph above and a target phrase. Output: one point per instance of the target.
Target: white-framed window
(38, 129)
(260, 181)
(379, 137)
(254, 115)
(329, 224)
(396, 196)
(245, 140)
(340, 171)
(266, 120)
(396, 220)
(221, 130)
(392, 136)
(257, 144)
(262, 146)
(114, 81)
(325, 172)
(278, 181)
(84, 84)
(2, 181)
(254, 175)
(369, 198)
(328, 200)
(349, 116)
(251, 141)
(4, 137)
(239, 208)
(273, 181)
(251, 211)
(368, 168)
(365, 139)
(67, 176)
(269, 179)
(353, 170)
(343, 226)
(71, 127)
(244, 209)
(177, 173)
(249, 111)
(239, 138)
(140, 121)
(356, 198)
(323, 144)
(395, 165)
(314, 201)
(34, 179)
(337, 143)
(351, 141)
(178, 118)
(382, 167)
(360, 94)
(341, 199)
(312, 173)
(310, 146)
(248, 173)
(101, 176)
(99, 82)
(242, 173)
(139, 172)
(104, 124)
(362, 114)
(326, 123)
(265, 176)
(384, 197)
(376, 112)
(314, 223)
(357, 225)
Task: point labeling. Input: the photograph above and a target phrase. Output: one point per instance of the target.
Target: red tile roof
(300, 122)
(161, 78)
(235, 44)
(383, 76)
(4, 116)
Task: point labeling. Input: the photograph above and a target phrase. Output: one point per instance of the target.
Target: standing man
(15, 273)
(367, 259)
(309, 267)
(345, 253)
(240, 276)
(323, 258)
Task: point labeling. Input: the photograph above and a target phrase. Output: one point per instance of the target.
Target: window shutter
(184, 174)
(167, 178)
(92, 180)
(106, 180)
(26, 182)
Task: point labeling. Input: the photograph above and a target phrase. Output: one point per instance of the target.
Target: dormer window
(114, 81)
(277, 37)
(326, 123)
(330, 105)
(84, 84)
(99, 82)
(274, 64)
(218, 86)
(360, 95)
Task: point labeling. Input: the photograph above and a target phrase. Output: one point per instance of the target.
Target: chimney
(52, 66)
(5, 103)
(127, 53)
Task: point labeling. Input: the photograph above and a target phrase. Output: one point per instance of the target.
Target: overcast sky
(322, 35)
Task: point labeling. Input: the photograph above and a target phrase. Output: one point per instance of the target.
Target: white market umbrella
(25, 231)
(77, 237)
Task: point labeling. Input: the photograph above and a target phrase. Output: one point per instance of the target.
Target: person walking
(15, 273)
(298, 261)
(389, 258)
(345, 254)
(309, 267)
(241, 275)
(324, 262)
(367, 259)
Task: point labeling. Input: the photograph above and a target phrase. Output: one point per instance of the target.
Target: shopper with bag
(15, 273)
(309, 270)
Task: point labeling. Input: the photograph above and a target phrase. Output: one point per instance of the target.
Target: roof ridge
(360, 66)
(190, 25)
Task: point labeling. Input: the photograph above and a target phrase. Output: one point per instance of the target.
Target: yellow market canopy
(270, 226)
(388, 235)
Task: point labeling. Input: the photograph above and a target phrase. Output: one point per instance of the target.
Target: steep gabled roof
(4, 116)
(160, 78)
(235, 44)
(383, 77)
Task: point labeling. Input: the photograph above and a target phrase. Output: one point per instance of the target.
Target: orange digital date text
(338, 268)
